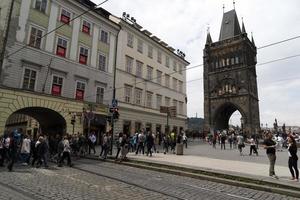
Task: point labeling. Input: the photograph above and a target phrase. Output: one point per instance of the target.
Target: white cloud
(183, 24)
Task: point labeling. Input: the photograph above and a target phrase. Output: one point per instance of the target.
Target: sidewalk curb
(234, 180)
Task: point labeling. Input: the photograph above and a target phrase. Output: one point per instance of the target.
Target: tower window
(237, 60)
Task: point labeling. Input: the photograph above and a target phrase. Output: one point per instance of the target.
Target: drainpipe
(5, 38)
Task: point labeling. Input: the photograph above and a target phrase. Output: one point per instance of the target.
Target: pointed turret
(252, 40)
(208, 39)
(230, 26)
(243, 27)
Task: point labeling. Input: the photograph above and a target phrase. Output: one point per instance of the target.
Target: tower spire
(208, 37)
(252, 40)
(233, 4)
(223, 8)
(243, 26)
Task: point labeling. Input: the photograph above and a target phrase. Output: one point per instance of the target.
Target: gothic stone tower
(230, 77)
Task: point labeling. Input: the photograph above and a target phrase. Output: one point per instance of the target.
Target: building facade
(230, 80)
(59, 64)
(149, 74)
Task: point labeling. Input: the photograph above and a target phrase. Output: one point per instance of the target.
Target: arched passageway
(224, 113)
(50, 122)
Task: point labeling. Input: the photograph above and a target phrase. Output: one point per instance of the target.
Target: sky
(183, 25)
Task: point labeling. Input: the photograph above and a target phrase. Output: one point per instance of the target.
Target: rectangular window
(167, 101)
(130, 40)
(180, 109)
(159, 56)
(35, 38)
(236, 60)
(57, 83)
(104, 37)
(128, 93)
(175, 103)
(83, 55)
(65, 16)
(149, 100)
(149, 72)
(180, 85)
(41, 5)
(140, 46)
(102, 62)
(174, 84)
(139, 69)
(80, 88)
(138, 96)
(29, 79)
(167, 80)
(174, 66)
(159, 76)
(99, 95)
(158, 101)
(150, 51)
(86, 27)
(180, 69)
(232, 61)
(61, 49)
(129, 64)
(167, 61)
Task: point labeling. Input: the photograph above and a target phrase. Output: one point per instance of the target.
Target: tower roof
(243, 28)
(208, 39)
(230, 26)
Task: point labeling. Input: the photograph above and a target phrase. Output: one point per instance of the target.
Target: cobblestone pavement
(91, 179)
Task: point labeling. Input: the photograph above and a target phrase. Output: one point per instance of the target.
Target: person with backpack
(240, 143)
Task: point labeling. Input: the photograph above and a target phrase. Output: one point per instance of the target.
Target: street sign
(114, 103)
(163, 109)
(172, 111)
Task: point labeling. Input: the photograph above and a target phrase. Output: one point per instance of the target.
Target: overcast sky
(183, 24)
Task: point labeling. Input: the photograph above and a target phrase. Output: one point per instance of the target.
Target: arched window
(237, 60)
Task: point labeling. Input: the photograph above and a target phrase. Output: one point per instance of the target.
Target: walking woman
(293, 158)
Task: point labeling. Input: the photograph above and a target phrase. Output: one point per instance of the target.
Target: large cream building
(149, 74)
(57, 69)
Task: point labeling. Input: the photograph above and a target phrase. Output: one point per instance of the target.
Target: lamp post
(242, 124)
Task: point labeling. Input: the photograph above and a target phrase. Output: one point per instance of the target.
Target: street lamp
(242, 124)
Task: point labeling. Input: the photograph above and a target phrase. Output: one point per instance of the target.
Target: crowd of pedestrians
(37, 151)
(235, 140)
